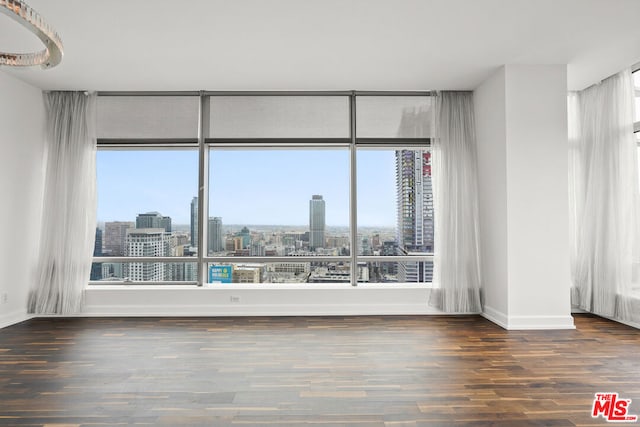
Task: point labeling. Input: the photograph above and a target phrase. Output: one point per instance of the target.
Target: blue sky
(247, 187)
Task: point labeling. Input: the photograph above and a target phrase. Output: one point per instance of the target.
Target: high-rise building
(365, 244)
(96, 267)
(415, 213)
(147, 242)
(233, 244)
(375, 242)
(245, 234)
(316, 222)
(153, 220)
(247, 273)
(257, 249)
(216, 239)
(389, 269)
(165, 222)
(183, 271)
(115, 234)
(194, 222)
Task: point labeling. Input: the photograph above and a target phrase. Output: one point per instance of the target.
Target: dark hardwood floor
(316, 371)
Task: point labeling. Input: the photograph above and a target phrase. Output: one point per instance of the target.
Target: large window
(144, 211)
(285, 188)
(395, 212)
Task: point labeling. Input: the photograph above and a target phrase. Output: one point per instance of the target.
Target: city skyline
(153, 235)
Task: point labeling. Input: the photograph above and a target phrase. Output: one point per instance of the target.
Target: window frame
(636, 69)
(636, 125)
(204, 144)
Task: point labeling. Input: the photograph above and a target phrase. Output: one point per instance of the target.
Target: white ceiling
(324, 44)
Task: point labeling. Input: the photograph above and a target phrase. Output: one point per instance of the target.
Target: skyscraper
(115, 234)
(153, 220)
(245, 235)
(96, 267)
(194, 222)
(216, 241)
(147, 242)
(316, 222)
(415, 213)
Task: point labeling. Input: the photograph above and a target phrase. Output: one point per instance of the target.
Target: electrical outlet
(234, 298)
(4, 298)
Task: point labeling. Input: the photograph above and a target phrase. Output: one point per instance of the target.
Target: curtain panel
(69, 206)
(604, 198)
(456, 273)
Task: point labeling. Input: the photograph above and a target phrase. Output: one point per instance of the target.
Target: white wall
(21, 184)
(522, 161)
(490, 114)
(258, 300)
(538, 190)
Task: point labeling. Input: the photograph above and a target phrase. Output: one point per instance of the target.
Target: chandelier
(22, 13)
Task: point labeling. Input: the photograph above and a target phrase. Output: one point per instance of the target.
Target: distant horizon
(187, 226)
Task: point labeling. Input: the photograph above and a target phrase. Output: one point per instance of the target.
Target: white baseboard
(540, 322)
(528, 322)
(495, 316)
(12, 318)
(257, 310)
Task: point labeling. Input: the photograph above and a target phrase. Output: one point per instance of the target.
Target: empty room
(320, 213)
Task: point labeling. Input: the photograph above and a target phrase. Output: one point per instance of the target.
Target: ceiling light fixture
(22, 13)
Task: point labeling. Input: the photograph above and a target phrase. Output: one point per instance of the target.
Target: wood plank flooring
(317, 371)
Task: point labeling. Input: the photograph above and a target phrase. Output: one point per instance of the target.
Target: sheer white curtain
(69, 210)
(603, 188)
(456, 274)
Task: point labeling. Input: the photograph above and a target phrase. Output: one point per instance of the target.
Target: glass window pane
(145, 203)
(381, 271)
(109, 272)
(394, 116)
(293, 272)
(279, 117)
(279, 202)
(147, 116)
(395, 212)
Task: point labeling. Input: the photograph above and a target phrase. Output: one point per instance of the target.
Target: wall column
(521, 119)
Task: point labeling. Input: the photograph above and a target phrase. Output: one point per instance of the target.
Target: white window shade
(394, 116)
(279, 117)
(162, 117)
